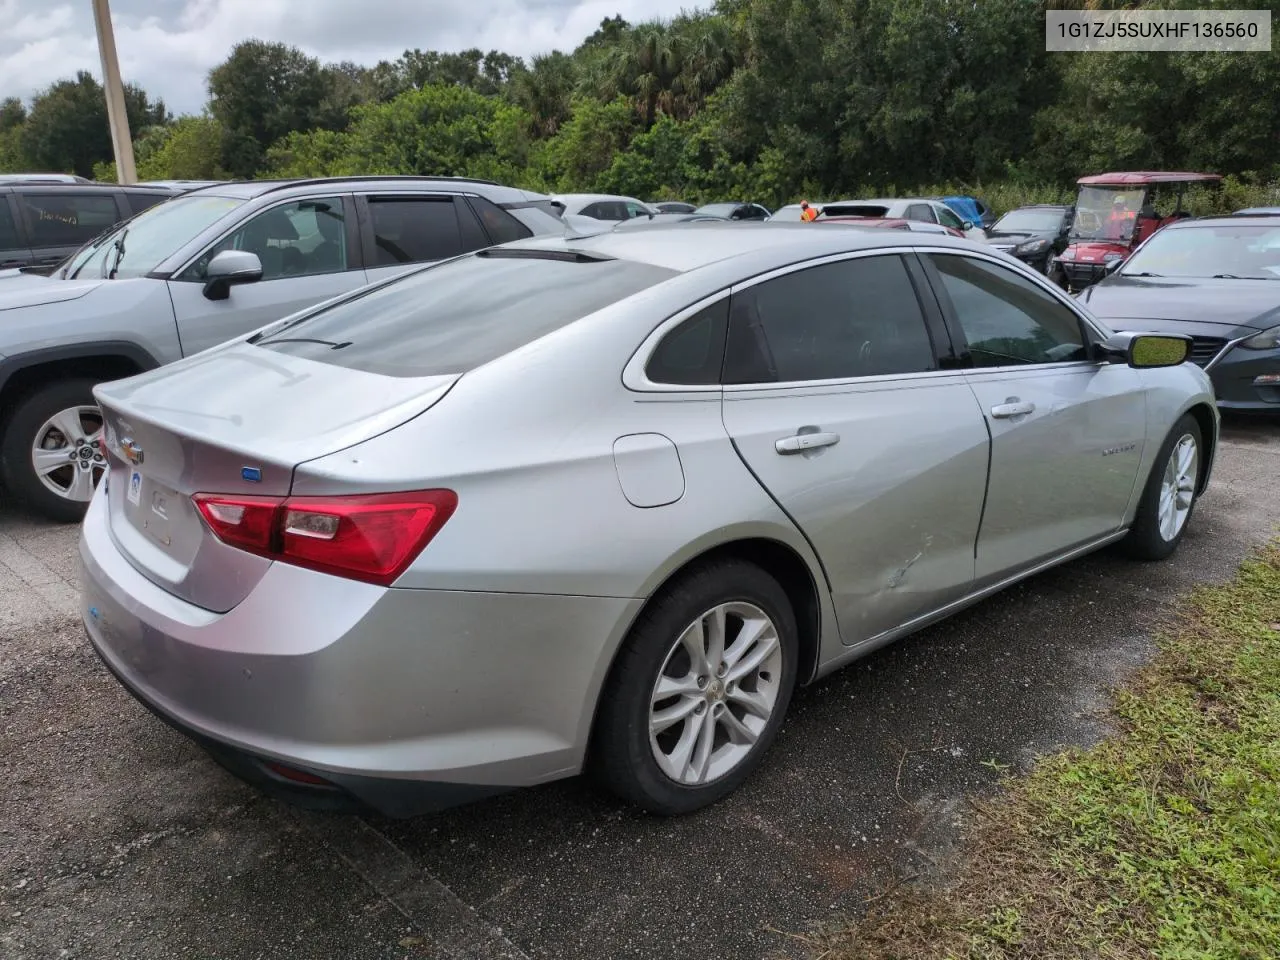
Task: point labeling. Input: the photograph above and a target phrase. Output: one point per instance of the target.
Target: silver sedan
(603, 502)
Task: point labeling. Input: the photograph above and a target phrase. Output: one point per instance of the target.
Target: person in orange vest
(807, 213)
(1120, 223)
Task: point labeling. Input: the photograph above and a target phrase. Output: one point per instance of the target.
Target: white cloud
(169, 46)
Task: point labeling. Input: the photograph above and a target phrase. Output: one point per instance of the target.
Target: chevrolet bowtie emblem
(131, 450)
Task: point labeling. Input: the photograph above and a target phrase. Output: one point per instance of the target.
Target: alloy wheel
(65, 453)
(715, 693)
(1177, 488)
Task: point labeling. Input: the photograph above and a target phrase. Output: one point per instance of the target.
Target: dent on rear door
(892, 509)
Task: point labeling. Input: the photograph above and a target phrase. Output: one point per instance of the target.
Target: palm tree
(545, 90)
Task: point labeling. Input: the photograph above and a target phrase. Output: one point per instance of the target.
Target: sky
(168, 46)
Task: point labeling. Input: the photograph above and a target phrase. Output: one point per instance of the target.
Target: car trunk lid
(236, 420)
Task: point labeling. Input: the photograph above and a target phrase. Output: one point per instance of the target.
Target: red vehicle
(892, 223)
(1114, 213)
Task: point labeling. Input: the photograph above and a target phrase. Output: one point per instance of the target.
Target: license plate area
(150, 505)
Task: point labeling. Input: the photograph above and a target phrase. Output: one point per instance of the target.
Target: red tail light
(370, 537)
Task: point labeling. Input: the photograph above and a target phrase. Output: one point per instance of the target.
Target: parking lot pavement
(120, 839)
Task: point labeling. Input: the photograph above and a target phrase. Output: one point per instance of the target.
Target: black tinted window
(459, 315)
(693, 352)
(411, 230)
(922, 212)
(606, 210)
(856, 318)
(66, 219)
(140, 201)
(500, 225)
(1006, 318)
(8, 229)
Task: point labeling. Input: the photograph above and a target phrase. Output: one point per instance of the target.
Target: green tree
(66, 128)
(263, 92)
(13, 115)
(191, 150)
(545, 91)
(585, 146)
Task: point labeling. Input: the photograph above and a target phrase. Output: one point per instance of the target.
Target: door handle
(1012, 407)
(805, 441)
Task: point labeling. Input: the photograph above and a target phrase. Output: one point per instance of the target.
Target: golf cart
(1115, 212)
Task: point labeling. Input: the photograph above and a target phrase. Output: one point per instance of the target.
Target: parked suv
(203, 268)
(44, 221)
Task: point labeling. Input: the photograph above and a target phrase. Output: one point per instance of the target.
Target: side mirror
(230, 268)
(1146, 350)
(967, 226)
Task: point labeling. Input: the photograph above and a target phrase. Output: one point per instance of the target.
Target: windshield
(1236, 252)
(1106, 213)
(152, 236)
(790, 212)
(718, 209)
(1029, 221)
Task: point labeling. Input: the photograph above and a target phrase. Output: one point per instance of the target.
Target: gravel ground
(118, 838)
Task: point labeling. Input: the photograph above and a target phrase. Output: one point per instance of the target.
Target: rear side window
(922, 212)
(607, 210)
(693, 352)
(461, 314)
(414, 230)
(853, 318)
(66, 219)
(498, 224)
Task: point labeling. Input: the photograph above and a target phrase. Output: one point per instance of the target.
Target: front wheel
(49, 455)
(1169, 497)
(699, 690)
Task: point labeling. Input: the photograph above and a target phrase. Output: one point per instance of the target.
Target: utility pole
(117, 118)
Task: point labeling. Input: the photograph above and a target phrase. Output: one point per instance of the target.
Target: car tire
(728, 718)
(32, 423)
(1169, 497)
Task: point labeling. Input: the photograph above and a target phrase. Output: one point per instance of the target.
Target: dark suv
(44, 221)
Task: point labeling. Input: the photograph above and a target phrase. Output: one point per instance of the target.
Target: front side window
(297, 239)
(8, 229)
(150, 238)
(414, 230)
(947, 218)
(853, 318)
(1007, 319)
(67, 219)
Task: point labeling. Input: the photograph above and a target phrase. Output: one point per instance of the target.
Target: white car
(603, 206)
(907, 208)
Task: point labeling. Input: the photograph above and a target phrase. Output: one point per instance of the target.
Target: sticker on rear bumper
(135, 488)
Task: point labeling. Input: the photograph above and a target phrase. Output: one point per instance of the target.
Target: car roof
(688, 246)
(66, 186)
(1258, 212)
(1041, 206)
(251, 189)
(1139, 177)
(1230, 219)
(593, 197)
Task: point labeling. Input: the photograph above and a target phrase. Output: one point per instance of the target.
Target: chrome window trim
(635, 379)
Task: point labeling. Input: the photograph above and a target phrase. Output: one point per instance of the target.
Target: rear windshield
(455, 316)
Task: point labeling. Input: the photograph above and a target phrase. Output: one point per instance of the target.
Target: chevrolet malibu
(603, 502)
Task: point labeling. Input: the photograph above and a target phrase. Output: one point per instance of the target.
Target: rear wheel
(1169, 497)
(49, 454)
(699, 690)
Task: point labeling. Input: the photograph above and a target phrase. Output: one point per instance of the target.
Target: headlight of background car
(1032, 246)
(1266, 340)
(1110, 257)
(1068, 254)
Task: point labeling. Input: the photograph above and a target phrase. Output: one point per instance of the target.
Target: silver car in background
(603, 502)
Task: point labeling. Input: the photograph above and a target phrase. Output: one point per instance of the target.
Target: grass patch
(1162, 841)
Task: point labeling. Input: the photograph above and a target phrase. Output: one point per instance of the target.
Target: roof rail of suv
(286, 184)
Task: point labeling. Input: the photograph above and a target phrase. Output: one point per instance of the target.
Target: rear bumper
(403, 700)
